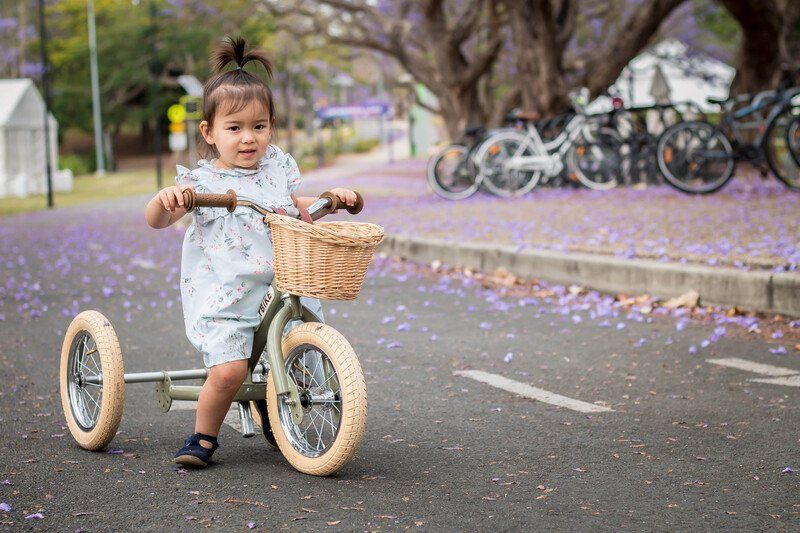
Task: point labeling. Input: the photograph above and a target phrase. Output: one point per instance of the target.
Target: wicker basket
(326, 260)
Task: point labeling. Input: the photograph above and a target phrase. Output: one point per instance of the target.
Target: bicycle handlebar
(328, 203)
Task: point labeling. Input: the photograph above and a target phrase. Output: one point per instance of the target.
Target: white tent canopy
(667, 70)
(22, 146)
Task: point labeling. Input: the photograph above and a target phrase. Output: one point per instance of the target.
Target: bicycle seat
(529, 116)
(474, 131)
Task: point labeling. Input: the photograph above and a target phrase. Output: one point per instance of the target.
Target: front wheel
(782, 147)
(92, 380)
(597, 163)
(695, 157)
(333, 394)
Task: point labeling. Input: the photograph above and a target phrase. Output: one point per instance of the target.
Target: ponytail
(232, 50)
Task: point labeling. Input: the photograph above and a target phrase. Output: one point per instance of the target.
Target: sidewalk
(739, 247)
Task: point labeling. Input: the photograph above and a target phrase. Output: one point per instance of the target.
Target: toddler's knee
(228, 377)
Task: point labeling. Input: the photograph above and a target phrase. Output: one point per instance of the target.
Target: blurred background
(122, 76)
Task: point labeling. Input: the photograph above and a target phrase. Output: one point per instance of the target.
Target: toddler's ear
(205, 131)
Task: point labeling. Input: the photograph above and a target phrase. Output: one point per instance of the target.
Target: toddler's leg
(216, 396)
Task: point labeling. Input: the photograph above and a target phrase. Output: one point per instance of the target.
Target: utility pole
(46, 89)
(154, 68)
(98, 121)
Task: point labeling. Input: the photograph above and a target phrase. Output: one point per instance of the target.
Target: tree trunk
(758, 65)
(540, 76)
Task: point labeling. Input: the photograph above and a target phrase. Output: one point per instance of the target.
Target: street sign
(193, 106)
(354, 111)
(178, 142)
(176, 113)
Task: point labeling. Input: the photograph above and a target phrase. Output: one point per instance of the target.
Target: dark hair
(232, 90)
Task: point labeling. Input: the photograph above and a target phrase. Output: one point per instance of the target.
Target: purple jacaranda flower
(6, 482)
(509, 356)
(576, 319)
(434, 337)
(5, 507)
(641, 342)
(387, 319)
(510, 335)
(251, 525)
(693, 349)
(332, 310)
(400, 308)
(115, 452)
(393, 344)
(621, 325)
(780, 350)
(681, 324)
(604, 324)
(668, 340)
(705, 343)
(788, 470)
(380, 340)
(34, 516)
(777, 334)
(405, 326)
(485, 325)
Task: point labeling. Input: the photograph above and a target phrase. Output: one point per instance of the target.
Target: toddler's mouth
(247, 152)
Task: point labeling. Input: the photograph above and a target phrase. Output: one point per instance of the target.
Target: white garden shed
(22, 146)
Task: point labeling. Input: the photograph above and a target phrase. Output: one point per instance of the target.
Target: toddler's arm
(166, 207)
(345, 195)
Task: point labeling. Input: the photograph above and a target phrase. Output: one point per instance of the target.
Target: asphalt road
(685, 444)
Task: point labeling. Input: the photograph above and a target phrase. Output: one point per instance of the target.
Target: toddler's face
(241, 138)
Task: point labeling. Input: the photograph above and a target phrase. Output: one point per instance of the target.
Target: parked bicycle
(699, 157)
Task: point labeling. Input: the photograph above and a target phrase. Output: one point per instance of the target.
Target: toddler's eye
(234, 128)
(260, 126)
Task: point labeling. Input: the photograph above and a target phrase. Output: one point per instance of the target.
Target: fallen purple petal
(37, 516)
(509, 356)
(5, 507)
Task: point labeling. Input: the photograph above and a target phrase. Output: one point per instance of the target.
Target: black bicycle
(699, 157)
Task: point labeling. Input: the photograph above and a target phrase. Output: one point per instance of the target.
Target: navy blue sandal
(195, 454)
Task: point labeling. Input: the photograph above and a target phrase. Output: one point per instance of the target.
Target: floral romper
(226, 263)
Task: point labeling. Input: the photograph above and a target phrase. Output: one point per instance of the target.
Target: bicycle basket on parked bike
(326, 260)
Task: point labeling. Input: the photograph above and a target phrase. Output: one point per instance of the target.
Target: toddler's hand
(171, 197)
(345, 195)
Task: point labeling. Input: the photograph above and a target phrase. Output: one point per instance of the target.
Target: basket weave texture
(326, 260)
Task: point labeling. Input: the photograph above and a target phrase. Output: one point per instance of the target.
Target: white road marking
(232, 418)
(789, 381)
(750, 366)
(523, 389)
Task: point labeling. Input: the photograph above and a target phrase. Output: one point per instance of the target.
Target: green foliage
(364, 145)
(79, 164)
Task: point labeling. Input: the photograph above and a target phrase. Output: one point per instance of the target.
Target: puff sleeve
(292, 171)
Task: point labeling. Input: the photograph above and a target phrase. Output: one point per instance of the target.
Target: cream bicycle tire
(353, 399)
(92, 426)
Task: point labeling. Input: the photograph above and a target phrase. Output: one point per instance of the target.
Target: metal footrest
(246, 418)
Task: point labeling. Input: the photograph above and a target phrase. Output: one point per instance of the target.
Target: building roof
(12, 93)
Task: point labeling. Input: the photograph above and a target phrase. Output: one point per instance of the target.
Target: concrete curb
(751, 290)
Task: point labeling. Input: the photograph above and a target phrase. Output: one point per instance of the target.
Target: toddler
(226, 264)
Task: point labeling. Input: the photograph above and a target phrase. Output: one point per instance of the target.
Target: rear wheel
(92, 380)
(451, 175)
(333, 394)
(694, 157)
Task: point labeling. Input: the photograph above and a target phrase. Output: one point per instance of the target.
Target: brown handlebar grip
(192, 199)
(337, 204)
